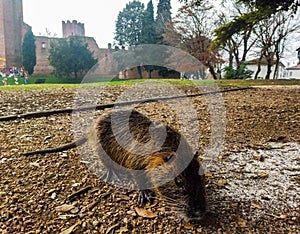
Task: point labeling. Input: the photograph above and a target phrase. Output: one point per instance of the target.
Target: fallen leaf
(35, 164)
(131, 212)
(242, 223)
(69, 230)
(50, 191)
(189, 225)
(263, 176)
(64, 217)
(123, 229)
(64, 208)
(208, 175)
(222, 182)
(76, 185)
(151, 205)
(123, 198)
(91, 205)
(145, 213)
(283, 216)
(259, 158)
(257, 206)
(75, 210)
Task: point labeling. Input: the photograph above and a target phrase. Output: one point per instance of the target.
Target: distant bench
(40, 81)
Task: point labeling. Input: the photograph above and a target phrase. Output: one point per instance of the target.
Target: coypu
(155, 156)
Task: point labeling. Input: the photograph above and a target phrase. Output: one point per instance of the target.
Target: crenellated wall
(73, 28)
(43, 45)
(12, 30)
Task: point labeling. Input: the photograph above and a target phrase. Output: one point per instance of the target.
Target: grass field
(176, 82)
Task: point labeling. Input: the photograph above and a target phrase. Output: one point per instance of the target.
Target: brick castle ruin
(13, 29)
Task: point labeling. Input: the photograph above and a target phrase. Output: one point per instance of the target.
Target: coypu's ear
(196, 154)
(168, 157)
(179, 182)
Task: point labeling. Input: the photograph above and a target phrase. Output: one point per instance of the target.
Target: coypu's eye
(179, 182)
(168, 157)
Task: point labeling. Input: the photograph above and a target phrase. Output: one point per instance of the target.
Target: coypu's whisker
(167, 199)
(171, 203)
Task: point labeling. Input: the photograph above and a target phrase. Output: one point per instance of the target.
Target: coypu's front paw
(145, 196)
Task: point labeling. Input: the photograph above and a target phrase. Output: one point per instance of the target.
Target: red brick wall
(11, 25)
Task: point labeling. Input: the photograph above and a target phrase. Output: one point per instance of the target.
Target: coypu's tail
(68, 146)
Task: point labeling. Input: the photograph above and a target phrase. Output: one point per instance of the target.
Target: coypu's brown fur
(123, 139)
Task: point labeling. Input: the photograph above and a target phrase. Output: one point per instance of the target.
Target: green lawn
(52, 82)
(257, 82)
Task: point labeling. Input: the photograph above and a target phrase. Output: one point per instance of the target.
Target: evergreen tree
(129, 24)
(149, 36)
(163, 17)
(71, 57)
(136, 26)
(148, 26)
(29, 52)
(129, 32)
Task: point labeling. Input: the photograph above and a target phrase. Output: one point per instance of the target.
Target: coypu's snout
(196, 203)
(195, 189)
(195, 213)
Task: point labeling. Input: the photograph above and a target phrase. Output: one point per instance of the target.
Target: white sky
(99, 17)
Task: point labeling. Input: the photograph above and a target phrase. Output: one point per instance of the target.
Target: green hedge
(54, 80)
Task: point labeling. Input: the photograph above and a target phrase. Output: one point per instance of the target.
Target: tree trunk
(269, 70)
(212, 71)
(275, 76)
(230, 60)
(258, 67)
(269, 58)
(139, 68)
(149, 73)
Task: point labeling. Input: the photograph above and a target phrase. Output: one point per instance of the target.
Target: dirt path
(252, 186)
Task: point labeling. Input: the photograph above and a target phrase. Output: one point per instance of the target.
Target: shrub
(242, 72)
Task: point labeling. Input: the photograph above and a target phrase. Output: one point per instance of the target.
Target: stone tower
(73, 28)
(11, 25)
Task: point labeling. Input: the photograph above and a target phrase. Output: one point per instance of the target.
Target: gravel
(252, 184)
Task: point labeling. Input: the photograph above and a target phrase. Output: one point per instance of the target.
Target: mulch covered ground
(252, 185)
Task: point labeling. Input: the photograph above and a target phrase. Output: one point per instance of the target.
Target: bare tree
(273, 34)
(240, 44)
(191, 30)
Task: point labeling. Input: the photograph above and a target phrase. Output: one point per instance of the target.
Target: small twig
(79, 192)
(112, 227)
(272, 215)
(92, 205)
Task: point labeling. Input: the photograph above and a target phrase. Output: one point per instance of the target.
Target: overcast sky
(99, 17)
